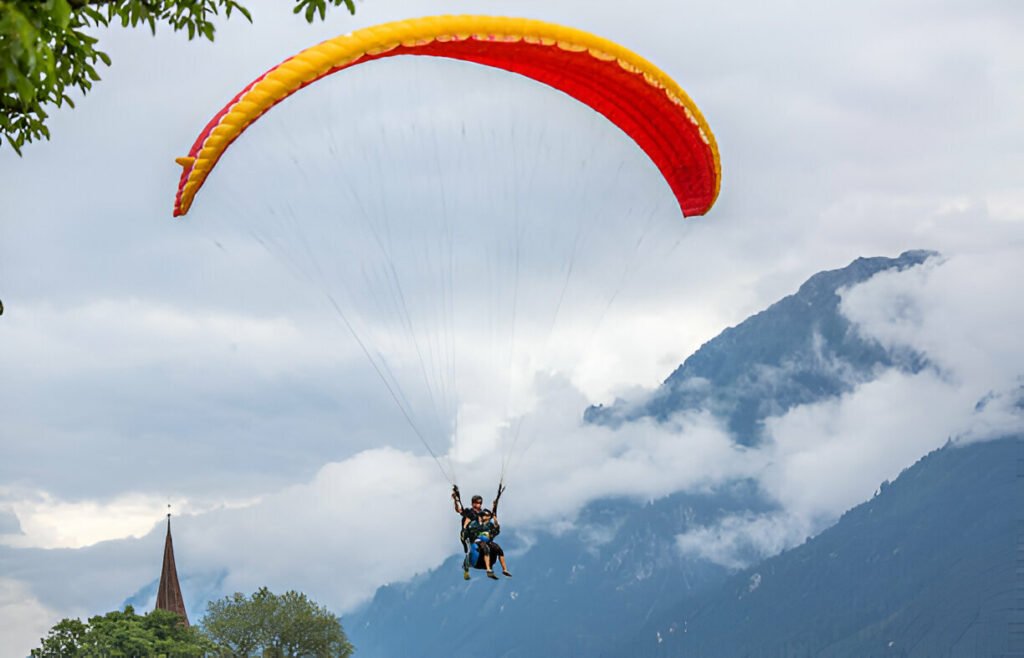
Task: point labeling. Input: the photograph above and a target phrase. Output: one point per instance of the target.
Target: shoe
(507, 574)
(490, 574)
(465, 574)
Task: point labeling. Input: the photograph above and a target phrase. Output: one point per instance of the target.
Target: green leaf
(61, 13)
(46, 49)
(26, 32)
(243, 11)
(15, 143)
(24, 87)
(91, 14)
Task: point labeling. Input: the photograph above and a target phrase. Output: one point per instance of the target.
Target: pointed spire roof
(168, 597)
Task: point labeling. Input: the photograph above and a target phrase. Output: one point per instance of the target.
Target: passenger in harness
(480, 535)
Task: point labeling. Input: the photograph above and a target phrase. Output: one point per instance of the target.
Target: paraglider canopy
(463, 284)
(630, 91)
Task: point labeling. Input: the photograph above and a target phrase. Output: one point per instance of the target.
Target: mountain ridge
(799, 350)
(584, 596)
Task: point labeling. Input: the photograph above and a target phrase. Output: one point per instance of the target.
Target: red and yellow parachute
(627, 89)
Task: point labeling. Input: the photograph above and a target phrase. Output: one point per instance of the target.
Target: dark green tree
(239, 625)
(64, 639)
(46, 49)
(289, 625)
(124, 633)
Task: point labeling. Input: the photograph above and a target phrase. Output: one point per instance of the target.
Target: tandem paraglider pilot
(479, 528)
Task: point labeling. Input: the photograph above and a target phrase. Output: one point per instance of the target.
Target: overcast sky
(147, 360)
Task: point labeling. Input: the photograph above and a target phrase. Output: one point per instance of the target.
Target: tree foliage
(124, 633)
(46, 50)
(289, 625)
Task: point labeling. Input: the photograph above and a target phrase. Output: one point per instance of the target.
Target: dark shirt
(470, 513)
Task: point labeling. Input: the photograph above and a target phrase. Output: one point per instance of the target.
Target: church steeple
(168, 597)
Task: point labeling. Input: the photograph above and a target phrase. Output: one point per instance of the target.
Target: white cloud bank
(23, 619)
(383, 515)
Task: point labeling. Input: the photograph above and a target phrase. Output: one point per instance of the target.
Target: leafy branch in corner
(46, 50)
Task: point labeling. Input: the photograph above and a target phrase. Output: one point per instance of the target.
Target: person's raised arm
(494, 506)
(457, 499)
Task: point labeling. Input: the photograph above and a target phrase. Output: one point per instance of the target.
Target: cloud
(164, 396)
(741, 539)
(819, 460)
(49, 523)
(961, 312)
(23, 619)
(335, 536)
(39, 520)
(825, 458)
(9, 524)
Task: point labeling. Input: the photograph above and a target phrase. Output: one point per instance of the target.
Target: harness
(457, 499)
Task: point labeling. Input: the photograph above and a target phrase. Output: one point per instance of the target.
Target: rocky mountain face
(798, 351)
